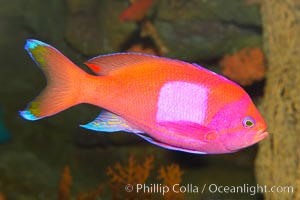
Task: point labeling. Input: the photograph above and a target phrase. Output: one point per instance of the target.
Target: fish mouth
(249, 139)
(260, 135)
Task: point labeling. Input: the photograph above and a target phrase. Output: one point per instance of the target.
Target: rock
(96, 29)
(191, 30)
(204, 30)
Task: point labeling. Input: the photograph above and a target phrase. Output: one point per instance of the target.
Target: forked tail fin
(63, 81)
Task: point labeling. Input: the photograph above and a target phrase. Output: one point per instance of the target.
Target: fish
(170, 103)
(137, 11)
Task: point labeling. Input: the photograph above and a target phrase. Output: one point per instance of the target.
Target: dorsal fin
(106, 64)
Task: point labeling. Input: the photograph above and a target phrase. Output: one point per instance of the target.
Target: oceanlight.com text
(157, 188)
(249, 189)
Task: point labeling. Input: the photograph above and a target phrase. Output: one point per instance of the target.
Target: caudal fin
(63, 79)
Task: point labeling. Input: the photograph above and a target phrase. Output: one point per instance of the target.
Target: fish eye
(248, 122)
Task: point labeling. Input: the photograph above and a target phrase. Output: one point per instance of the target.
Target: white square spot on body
(181, 101)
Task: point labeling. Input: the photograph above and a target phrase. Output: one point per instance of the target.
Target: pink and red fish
(169, 103)
(137, 11)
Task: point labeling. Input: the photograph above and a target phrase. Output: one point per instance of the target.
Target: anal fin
(167, 146)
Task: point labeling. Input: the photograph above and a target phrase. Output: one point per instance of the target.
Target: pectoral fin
(109, 122)
(191, 130)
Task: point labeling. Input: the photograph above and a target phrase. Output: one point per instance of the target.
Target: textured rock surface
(276, 165)
(201, 29)
(191, 30)
(92, 27)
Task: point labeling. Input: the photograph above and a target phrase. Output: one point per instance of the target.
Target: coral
(65, 185)
(133, 174)
(2, 197)
(245, 66)
(91, 195)
(64, 191)
(170, 176)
